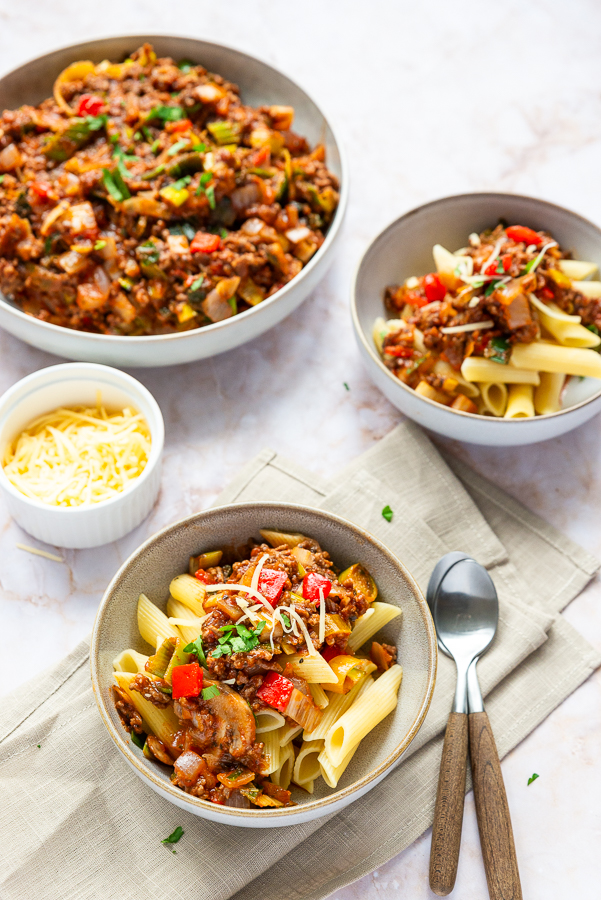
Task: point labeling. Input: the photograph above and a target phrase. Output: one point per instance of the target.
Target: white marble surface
(431, 98)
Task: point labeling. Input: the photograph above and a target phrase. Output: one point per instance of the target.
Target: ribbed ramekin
(77, 384)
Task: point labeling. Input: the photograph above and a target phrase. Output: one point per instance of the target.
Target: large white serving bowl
(405, 248)
(78, 384)
(150, 570)
(260, 84)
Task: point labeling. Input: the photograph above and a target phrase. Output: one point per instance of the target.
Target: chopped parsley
(148, 252)
(138, 739)
(39, 746)
(209, 692)
(501, 349)
(115, 185)
(99, 245)
(177, 147)
(286, 620)
(166, 113)
(95, 123)
(209, 192)
(174, 836)
(184, 65)
(183, 228)
(233, 305)
(346, 387)
(237, 639)
(532, 778)
(197, 648)
(491, 286)
(122, 157)
(387, 513)
(181, 184)
(196, 285)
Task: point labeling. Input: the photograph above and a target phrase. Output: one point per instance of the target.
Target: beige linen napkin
(76, 823)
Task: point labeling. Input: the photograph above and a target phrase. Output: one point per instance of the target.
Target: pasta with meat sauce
(258, 682)
(498, 328)
(145, 197)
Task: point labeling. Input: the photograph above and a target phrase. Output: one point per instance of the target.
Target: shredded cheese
(37, 552)
(78, 457)
(470, 326)
(211, 588)
(322, 616)
(254, 583)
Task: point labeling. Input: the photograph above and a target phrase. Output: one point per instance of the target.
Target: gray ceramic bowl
(260, 84)
(405, 248)
(150, 570)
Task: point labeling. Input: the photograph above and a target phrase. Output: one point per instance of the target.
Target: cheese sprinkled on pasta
(80, 456)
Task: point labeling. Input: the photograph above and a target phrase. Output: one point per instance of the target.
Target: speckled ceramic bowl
(260, 84)
(150, 570)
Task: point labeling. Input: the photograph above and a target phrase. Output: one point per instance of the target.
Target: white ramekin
(77, 384)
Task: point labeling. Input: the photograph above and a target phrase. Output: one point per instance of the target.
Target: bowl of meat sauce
(263, 664)
(479, 316)
(162, 199)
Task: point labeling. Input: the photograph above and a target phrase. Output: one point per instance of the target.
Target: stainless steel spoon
(465, 609)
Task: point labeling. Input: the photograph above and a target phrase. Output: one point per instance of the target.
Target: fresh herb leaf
(196, 285)
(174, 836)
(209, 692)
(184, 65)
(99, 245)
(181, 183)
(502, 349)
(138, 739)
(147, 134)
(177, 147)
(593, 328)
(387, 513)
(183, 228)
(532, 778)
(166, 113)
(115, 185)
(39, 746)
(148, 253)
(285, 620)
(346, 386)
(197, 648)
(210, 192)
(95, 123)
(243, 641)
(490, 287)
(2, 177)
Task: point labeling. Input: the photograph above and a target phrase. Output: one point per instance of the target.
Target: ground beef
(130, 719)
(151, 690)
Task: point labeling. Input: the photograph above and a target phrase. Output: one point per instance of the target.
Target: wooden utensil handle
(494, 821)
(450, 799)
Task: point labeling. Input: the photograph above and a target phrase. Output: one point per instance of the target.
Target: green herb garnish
(95, 123)
(2, 177)
(174, 836)
(346, 386)
(490, 287)
(165, 113)
(39, 746)
(593, 328)
(196, 285)
(501, 349)
(387, 513)
(242, 641)
(184, 65)
(177, 147)
(285, 620)
(209, 692)
(532, 778)
(115, 185)
(99, 245)
(197, 648)
(138, 739)
(183, 228)
(148, 252)
(181, 183)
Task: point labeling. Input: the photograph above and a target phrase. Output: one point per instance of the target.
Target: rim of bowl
(131, 386)
(255, 310)
(446, 410)
(337, 795)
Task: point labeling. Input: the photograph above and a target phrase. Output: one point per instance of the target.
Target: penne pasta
(306, 767)
(370, 623)
(520, 402)
(338, 705)
(320, 698)
(590, 289)
(330, 773)
(271, 752)
(363, 716)
(282, 776)
(541, 356)
(577, 269)
(268, 720)
(288, 732)
(130, 661)
(564, 328)
(153, 624)
(177, 610)
(494, 397)
(476, 368)
(447, 371)
(547, 396)
(190, 592)
(314, 669)
(163, 723)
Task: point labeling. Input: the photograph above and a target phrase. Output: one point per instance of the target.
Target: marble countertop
(430, 99)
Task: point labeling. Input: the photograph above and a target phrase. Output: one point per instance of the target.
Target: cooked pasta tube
(282, 776)
(338, 705)
(476, 368)
(271, 752)
(153, 624)
(541, 356)
(547, 396)
(376, 617)
(288, 732)
(178, 611)
(564, 328)
(494, 397)
(314, 669)
(520, 402)
(590, 289)
(576, 269)
(190, 592)
(306, 767)
(320, 698)
(130, 661)
(268, 720)
(447, 371)
(330, 773)
(363, 716)
(163, 723)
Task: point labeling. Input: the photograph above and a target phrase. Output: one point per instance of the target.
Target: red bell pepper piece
(275, 691)
(89, 105)
(506, 261)
(205, 243)
(434, 288)
(415, 299)
(401, 352)
(311, 585)
(186, 681)
(521, 234)
(547, 294)
(41, 189)
(178, 127)
(329, 653)
(271, 583)
(201, 575)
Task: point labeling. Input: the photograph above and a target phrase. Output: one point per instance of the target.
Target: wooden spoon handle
(448, 814)
(494, 821)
